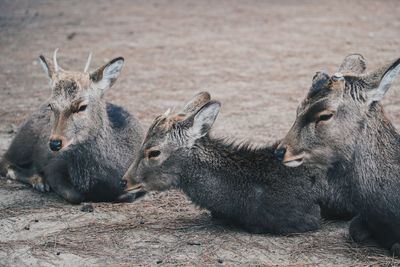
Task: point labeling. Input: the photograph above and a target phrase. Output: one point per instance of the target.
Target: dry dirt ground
(256, 57)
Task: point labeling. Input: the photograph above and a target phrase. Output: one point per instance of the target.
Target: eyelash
(154, 154)
(325, 117)
(82, 108)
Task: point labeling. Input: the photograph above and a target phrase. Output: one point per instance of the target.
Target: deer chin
(135, 188)
(67, 145)
(294, 161)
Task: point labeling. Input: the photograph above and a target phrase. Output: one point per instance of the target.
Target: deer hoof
(358, 230)
(395, 250)
(39, 184)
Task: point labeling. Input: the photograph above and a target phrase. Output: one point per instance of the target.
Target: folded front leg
(26, 176)
(358, 229)
(57, 176)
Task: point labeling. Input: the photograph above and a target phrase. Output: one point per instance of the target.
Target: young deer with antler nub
(341, 127)
(247, 187)
(76, 143)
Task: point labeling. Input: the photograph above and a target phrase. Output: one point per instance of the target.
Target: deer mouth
(135, 188)
(294, 161)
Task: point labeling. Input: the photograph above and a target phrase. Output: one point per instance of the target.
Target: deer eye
(49, 107)
(154, 154)
(325, 117)
(82, 108)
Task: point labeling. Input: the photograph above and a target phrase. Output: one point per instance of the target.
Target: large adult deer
(76, 144)
(342, 128)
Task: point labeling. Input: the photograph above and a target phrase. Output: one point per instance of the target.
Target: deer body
(244, 186)
(374, 173)
(77, 144)
(238, 185)
(341, 128)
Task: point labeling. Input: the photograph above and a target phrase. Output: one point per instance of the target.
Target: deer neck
(376, 159)
(214, 171)
(379, 141)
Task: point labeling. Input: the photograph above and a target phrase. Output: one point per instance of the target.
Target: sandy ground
(256, 57)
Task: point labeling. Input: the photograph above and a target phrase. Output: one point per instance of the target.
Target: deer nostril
(55, 145)
(280, 153)
(123, 183)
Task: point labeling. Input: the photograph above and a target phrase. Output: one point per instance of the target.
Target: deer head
(336, 109)
(76, 103)
(168, 139)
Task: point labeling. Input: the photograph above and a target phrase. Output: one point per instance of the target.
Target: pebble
(88, 207)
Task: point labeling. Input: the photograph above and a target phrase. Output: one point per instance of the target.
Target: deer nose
(123, 184)
(55, 145)
(280, 153)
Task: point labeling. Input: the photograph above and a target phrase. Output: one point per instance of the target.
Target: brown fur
(92, 147)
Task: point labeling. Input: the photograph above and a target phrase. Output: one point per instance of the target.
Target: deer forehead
(165, 123)
(162, 125)
(71, 85)
(80, 78)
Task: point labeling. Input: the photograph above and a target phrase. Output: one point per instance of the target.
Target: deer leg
(64, 188)
(58, 178)
(3, 168)
(26, 176)
(358, 229)
(39, 183)
(395, 249)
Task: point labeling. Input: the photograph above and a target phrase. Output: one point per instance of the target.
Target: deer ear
(353, 63)
(380, 81)
(204, 119)
(105, 76)
(196, 102)
(47, 66)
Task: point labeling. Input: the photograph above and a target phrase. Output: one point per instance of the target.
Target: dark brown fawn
(341, 127)
(244, 186)
(77, 144)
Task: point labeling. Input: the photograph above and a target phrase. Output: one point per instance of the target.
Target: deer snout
(55, 144)
(128, 185)
(285, 154)
(123, 184)
(58, 142)
(126, 180)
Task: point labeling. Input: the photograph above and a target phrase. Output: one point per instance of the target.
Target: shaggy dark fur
(239, 184)
(357, 145)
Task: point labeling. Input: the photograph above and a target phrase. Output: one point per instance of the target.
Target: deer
(76, 144)
(239, 184)
(341, 128)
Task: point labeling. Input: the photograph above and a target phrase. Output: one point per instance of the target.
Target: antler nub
(166, 114)
(337, 76)
(56, 68)
(88, 63)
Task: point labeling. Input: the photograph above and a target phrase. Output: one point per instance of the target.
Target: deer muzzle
(128, 186)
(287, 157)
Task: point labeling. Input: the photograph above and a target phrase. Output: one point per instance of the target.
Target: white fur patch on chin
(11, 174)
(293, 163)
(66, 146)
